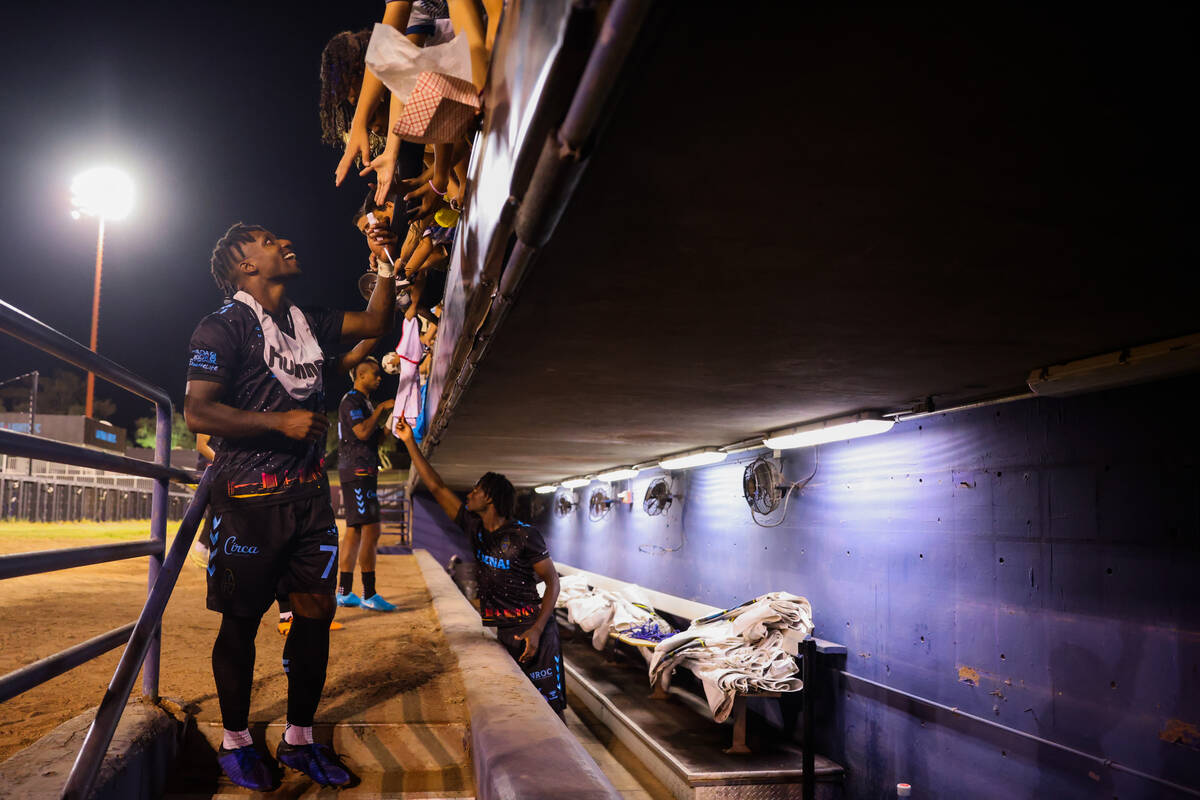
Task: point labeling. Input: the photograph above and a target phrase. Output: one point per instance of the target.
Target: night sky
(212, 109)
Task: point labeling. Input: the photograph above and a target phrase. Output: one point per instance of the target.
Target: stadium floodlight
(104, 192)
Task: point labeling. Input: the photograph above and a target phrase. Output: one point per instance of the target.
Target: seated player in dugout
(358, 470)
(511, 559)
(255, 379)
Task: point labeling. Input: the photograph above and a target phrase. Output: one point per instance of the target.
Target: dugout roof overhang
(831, 213)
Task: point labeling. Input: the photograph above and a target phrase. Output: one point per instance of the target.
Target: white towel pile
(748, 648)
(602, 611)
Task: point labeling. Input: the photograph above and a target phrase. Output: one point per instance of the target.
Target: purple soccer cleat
(317, 761)
(247, 767)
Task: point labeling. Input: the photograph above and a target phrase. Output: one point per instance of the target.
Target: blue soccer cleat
(348, 600)
(377, 603)
(246, 766)
(317, 761)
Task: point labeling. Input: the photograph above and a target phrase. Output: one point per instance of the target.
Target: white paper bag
(397, 62)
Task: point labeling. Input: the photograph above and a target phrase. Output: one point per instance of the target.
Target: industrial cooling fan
(599, 505)
(564, 504)
(763, 486)
(658, 497)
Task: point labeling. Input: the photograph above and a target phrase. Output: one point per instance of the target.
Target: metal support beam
(808, 659)
(158, 534)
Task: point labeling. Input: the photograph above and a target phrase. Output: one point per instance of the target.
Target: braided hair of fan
(764, 488)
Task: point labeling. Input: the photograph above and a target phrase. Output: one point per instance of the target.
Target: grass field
(16, 537)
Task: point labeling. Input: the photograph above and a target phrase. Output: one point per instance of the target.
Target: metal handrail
(17, 564)
(37, 673)
(19, 325)
(143, 650)
(24, 445)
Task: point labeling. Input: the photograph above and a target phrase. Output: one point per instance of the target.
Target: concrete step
(409, 760)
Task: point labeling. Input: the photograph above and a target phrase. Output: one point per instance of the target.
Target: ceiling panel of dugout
(836, 212)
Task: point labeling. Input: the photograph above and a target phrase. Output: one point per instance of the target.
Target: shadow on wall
(1031, 564)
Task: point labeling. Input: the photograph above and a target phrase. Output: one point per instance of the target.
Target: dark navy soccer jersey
(357, 458)
(227, 347)
(504, 569)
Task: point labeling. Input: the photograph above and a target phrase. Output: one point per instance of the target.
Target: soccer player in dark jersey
(255, 379)
(511, 558)
(358, 469)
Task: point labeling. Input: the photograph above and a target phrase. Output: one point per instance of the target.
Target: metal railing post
(158, 533)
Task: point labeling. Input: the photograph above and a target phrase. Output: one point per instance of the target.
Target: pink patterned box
(441, 109)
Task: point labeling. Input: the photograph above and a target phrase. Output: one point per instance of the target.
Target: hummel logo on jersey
(232, 548)
(308, 370)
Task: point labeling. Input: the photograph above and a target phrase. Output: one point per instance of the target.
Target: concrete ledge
(135, 768)
(519, 746)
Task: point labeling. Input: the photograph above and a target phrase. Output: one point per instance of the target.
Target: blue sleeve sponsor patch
(204, 359)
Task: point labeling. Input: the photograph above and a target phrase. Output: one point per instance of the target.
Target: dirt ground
(375, 656)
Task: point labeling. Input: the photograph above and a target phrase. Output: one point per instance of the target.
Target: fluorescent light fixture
(104, 192)
(619, 474)
(696, 458)
(547, 489)
(1118, 368)
(575, 483)
(829, 430)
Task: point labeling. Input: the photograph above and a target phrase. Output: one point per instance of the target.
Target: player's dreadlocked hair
(227, 254)
(501, 492)
(343, 62)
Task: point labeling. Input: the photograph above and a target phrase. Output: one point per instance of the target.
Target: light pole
(105, 193)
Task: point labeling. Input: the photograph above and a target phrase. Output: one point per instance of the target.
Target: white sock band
(298, 734)
(232, 740)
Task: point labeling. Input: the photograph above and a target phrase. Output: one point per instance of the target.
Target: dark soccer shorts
(545, 668)
(361, 499)
(257, 550)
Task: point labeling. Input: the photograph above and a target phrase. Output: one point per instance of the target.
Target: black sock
(305, 657)
(346, 581)
(233, 669)
(368, 584)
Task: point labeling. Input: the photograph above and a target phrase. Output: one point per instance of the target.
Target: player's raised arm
(377, 319)
(447, 499)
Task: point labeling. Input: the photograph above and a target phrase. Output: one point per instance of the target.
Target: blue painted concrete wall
(1036, 563)
(433, 531)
